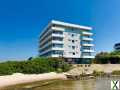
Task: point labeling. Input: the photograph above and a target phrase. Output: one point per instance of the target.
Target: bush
(34, 66)
(116, 72)
(105, 58)
(98, 73)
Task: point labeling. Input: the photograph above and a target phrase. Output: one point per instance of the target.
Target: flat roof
(66, 25)
(71, 25)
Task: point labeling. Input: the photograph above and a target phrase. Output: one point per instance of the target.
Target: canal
(90, 84)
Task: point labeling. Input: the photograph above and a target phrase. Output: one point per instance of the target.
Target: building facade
(117, 47)
(70, 41)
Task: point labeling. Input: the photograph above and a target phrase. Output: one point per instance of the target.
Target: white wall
(67, 45)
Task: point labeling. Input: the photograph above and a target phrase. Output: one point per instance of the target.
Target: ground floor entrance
(78, 60)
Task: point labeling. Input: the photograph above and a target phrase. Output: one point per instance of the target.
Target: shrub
(98, 73)
(116, 72)
(34, 66)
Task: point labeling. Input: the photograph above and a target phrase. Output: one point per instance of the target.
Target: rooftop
(65, 24)
(70, 25)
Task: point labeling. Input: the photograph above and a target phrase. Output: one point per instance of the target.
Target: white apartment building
(117, 47)
(71, 41)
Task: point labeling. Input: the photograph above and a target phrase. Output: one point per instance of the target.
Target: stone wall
(89, 68)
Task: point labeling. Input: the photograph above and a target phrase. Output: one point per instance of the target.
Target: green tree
(34, 66)
(102, 57)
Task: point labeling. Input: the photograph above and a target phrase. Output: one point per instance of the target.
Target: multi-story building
(117, 47)
(71, 41)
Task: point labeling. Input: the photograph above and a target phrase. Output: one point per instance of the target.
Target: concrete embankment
(19, 78)
(90, 68)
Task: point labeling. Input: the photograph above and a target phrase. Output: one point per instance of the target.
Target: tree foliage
(34, 66)
(104, 58)
(116, 72)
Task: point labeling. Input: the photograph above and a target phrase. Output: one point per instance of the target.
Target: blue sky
(21, 22)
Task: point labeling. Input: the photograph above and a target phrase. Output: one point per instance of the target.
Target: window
(58, 45)
(72, 35)
(86, 54)
(73, 53)
(69, 40)
(57, 32)
(86, 47)
(73, 41)
(86, 42)
(57, 38)
(86, 36)
(73, 47)
(69, 46)
(57, 52)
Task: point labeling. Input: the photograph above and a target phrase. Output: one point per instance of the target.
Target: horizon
(21, 23)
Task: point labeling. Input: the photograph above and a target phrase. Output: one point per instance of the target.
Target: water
(90, 84)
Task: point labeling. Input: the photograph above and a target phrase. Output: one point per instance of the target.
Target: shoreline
(19, 78)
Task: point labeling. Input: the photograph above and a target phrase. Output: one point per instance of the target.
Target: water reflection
(86, 85)
(91, 84)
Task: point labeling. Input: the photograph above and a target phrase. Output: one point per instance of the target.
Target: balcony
(88, 57)
(88, 45)
(56, 41)
(46, 39)
(88, 50)
(87, 39)
(45, 51)
(46, 34)
(57, 35)
(44, 46)
(57, 48)
(87, 33)
(55, 55)
(58, 28)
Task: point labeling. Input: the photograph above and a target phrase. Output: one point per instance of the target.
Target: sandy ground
(19, 78)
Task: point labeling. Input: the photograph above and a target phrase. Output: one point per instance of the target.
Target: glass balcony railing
(87, 33)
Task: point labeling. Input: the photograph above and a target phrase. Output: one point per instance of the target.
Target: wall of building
(68, 44)
(57, 40)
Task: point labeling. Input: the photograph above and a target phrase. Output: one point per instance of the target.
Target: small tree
(102, 58)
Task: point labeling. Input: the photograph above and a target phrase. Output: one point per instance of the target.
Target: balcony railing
(88, 57)
(86, 50)
(87, 39)
(58, 28)
(87, 33)
(57, 35)
(88, 45)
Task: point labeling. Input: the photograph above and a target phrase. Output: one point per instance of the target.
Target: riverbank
(78, 72)
(91, 68)
(19, 78)
(102, 83)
